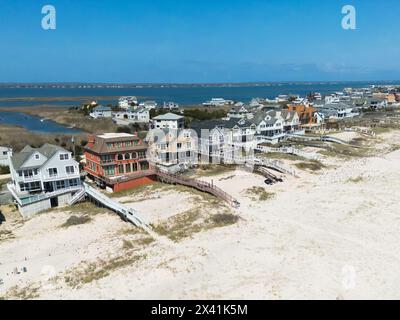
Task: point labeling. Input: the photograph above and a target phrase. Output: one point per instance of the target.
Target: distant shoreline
(90, 85)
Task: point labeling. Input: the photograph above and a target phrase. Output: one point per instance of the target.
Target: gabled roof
(47, 150)
(239, 108)
(288, 115)
(335, 106)
(102, 108)
(168, 116)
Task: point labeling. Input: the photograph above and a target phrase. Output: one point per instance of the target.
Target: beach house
(127, 102)
(337, 110)
(172, 150)
(117, 161)
(132, 115)
(148, 105)
(305, 113)
(239, 112)
(101, 112)
(269, 126)
(4, 156)
(168, 121)
(43, 178)
(291, 121)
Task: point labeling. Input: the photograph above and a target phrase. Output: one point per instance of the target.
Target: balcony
(26, 198)
(107, 161)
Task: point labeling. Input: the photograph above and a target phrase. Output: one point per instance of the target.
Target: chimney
(91, 140)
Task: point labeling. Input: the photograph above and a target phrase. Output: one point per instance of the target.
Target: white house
(377, 103)
(291, 121)
(217, 102)
(4, 156)
(270, 125)
(101, 112)
(239, 112)
(126, 102)
(168, 121)
(172, 150)
(170, 106)
(148, 105)
(337, 110)
(43, 178)
(131, 115)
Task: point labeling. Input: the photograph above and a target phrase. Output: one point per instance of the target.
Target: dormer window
(64, 156)
(37, 157)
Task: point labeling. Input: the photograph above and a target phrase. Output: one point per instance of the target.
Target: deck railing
(197, 184)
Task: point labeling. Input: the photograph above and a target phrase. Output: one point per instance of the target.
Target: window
(127, 156)
(64, 156)
(134, 167)
(53, 172)
(73, 182)
(29, 173)
(120, 168)
(4, 153)
(142, 154)
(179, 145)
(120, 157)
(32, 186)
(187, 153)
(70, 169)
(128, 168)
(144, 165)
(92, 166)
(37, 156)
(134, 155)
(60, 184)
(109, 170)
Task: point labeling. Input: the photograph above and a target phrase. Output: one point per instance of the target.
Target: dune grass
(258, 194)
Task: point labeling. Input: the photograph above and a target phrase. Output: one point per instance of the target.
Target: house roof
(102, 108)
(48, 150)
(99, 146)
(212, 124)
(238, 108)
(168, 116)
(335, 106)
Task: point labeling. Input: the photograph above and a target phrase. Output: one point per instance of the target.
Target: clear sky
(199, 41)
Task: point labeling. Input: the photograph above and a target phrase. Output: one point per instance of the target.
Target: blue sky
(199, 41)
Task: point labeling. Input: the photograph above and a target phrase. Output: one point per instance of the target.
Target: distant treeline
(193, 114)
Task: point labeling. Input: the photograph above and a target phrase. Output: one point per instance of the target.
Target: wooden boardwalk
(197, 184)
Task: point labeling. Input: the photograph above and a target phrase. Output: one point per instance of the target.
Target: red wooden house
(117, 161)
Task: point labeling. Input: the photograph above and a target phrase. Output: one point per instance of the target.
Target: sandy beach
(328, 234)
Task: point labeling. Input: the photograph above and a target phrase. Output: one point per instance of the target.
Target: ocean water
(180, 95)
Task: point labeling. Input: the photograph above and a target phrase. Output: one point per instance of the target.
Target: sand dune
(327, 235)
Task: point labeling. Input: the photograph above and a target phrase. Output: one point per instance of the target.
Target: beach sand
(330, 234)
